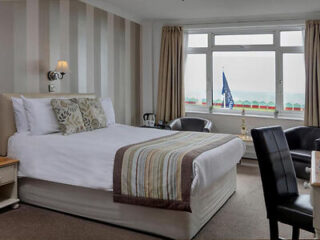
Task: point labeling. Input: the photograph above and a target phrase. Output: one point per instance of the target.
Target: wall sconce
(61, 69)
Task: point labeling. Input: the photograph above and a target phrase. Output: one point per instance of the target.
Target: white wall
(99, 46)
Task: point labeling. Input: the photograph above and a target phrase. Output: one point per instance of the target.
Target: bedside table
(8, 183)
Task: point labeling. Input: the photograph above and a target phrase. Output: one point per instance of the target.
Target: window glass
(245, 39)
(195, 79)
(250, 77)
(291, 38)
(293, 81)
(197, 40)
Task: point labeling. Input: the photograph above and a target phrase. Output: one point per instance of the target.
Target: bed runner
(159, 172)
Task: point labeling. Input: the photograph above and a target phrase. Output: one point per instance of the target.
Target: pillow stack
(41, 116)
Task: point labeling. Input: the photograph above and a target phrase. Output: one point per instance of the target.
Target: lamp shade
(62, 66)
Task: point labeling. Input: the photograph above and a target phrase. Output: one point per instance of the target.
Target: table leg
(317, 230)
(15, 206)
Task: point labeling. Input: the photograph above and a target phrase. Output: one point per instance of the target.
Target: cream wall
(6, 54)
(103, 51)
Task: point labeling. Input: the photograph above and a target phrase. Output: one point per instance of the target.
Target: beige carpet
(242, 217)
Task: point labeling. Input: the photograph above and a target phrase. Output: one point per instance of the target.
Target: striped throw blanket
(159, 172)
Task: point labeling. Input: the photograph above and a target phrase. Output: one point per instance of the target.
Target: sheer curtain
(312, 61)
(170, 103)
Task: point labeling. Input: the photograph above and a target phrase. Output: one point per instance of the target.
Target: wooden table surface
(4, 161)
(315, 169)
(245, 138)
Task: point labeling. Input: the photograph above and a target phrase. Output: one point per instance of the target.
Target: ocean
(264, 96)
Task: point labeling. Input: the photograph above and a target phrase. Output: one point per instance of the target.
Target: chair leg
(295, 233)
(274, 231)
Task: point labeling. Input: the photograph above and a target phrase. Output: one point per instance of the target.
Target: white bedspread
(86, 159)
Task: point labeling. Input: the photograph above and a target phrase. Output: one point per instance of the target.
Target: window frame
(275, 47)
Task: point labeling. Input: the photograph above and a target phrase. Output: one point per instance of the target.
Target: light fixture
(61, 69)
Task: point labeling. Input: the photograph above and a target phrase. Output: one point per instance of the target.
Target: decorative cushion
(68, 115)
(92, 113)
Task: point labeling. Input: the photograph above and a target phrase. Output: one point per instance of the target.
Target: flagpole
(224, 95)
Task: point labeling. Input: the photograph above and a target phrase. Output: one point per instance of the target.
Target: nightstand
(8, 183)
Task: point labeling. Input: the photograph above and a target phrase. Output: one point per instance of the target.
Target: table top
(245, 138)
(315, 169)
(4, 161)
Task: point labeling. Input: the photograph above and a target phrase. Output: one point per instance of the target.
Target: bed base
(99, 205)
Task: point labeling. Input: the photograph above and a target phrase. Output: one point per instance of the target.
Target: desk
(315, 191)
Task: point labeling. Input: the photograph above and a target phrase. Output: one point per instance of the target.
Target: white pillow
(20, 115)
(41, 117)
(108, 110)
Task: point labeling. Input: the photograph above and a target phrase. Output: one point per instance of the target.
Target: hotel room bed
(74, 174)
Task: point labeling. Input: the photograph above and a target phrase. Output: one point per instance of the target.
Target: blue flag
(227, 100)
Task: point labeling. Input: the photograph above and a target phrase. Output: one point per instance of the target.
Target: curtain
(312, 61)
(170, 104)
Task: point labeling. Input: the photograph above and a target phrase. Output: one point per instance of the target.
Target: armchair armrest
(174, 124)
(317, 144)
(208, 127)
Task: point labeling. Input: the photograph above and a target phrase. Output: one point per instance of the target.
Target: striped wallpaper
(103, 51)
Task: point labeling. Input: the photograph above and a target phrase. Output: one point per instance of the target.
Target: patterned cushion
(92, 113)
(68, 115)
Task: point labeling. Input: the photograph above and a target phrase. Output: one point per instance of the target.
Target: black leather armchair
(283, 202)
(190, 124)
(302, 140)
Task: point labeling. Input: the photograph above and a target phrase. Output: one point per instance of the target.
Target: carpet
(242, 217)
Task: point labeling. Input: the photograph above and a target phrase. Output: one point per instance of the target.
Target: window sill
(247, 115)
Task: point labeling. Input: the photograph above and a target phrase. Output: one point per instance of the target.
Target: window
(250, 76)
(293, 81)
(264, 71)
(291, 38)
(197, 40)
(248, 39)
(195, 80)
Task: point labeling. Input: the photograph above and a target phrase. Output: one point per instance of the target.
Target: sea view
(248, 98)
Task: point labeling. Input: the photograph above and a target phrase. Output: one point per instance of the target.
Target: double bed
(74, 174)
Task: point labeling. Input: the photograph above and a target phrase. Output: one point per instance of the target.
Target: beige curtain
(312, 60)
(170, 83)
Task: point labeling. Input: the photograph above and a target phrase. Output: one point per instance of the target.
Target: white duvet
(86, 159)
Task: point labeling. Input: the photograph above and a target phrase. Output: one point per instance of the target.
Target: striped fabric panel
(161, 169)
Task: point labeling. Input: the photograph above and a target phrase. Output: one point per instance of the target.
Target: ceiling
(205, 9)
